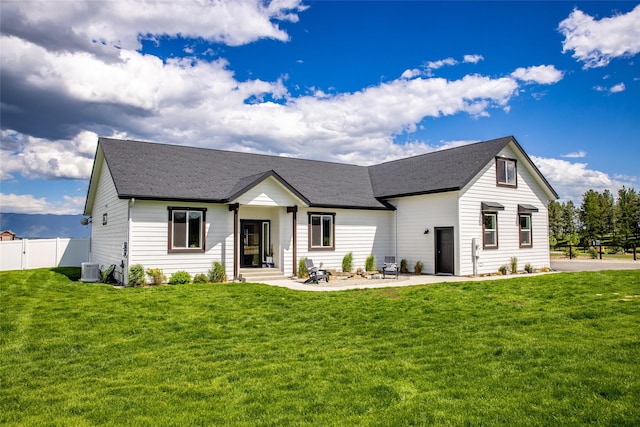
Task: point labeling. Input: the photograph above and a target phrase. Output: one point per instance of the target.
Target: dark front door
(254, 242)
(444, 250)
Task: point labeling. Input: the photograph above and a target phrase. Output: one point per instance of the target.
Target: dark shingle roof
(439, 171)
(147, 170)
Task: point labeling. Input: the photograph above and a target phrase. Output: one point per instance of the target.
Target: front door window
(255, 242)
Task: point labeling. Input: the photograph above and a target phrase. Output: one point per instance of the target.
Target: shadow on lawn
(72, 273)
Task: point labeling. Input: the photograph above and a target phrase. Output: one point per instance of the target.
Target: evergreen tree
(627, 215)
(555, 220)
(591, 215)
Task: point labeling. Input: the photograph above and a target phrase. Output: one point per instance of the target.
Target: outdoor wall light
(426, 231)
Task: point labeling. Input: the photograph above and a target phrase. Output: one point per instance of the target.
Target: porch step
(260, 275)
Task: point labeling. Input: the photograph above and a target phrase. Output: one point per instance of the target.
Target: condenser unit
(90, 272)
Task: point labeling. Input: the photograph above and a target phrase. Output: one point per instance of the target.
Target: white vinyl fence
(42, 253)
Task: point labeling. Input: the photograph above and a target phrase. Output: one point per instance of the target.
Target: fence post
(23, 255)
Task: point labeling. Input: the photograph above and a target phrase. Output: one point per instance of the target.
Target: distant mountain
(39, 226)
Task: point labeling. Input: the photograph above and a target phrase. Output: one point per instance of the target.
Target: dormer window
(506, 172)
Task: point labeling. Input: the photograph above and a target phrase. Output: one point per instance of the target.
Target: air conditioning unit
(90, 272)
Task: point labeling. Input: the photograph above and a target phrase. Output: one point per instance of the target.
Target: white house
(181, 208)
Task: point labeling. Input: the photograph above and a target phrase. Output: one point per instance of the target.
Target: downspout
(127, 251)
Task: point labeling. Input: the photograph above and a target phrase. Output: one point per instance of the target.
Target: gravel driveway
(564, 264)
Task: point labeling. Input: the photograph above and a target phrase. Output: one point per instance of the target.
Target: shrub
(302, 268)
(545, 269)
(593, 252)
(156, 276)
(417, 269)
(529, 268)
(180, 278)
(200, 278)
(403, 266)
(347, 262)
(370, 263)
(217, 274)
(502, 270)
(136, 275)
(513, 264)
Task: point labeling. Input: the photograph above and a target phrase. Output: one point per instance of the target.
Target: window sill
(186, 251)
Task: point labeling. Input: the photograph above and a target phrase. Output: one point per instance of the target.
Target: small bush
(217, 274)
(347, 263)
(403, 266)
(513, 264)
(529, 268)
(370, 263)
(545, 269)
(156, 276)
(302, 268)
(502, 270)
(180, 278)
(200, 278)
(136, 275)
(593, 253)
(417, 269)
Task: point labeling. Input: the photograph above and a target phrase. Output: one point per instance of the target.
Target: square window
(186, 229)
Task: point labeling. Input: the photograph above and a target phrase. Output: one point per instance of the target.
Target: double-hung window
(490, 230)
(187, 229)
(321, 231)
(525, 230)
(506, 172)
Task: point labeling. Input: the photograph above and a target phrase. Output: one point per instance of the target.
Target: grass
(559, 349)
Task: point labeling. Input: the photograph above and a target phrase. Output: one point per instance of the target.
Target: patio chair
(389, 267)
(314, 272)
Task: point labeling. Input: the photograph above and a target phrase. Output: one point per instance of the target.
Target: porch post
(294, 211)
(234, 207)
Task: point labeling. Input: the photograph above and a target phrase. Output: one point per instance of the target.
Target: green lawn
(560, 349)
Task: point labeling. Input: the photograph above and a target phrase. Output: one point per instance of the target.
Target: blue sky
(348, 81)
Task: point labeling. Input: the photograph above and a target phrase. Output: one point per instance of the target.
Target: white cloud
(33, 157)
(597, 42)
(541, 74)
(434, 65)
(620, 87)
(409, 74)
(474, 59)
(26, 203)
(197, 102)
(575, 155)
(572, 180)
(101, 26)
(617, 88)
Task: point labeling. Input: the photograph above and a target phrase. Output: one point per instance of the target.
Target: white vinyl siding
(107, 240)
(483, 189)
(150, 234)
(415, 215)
(268, 193)
(362, 232)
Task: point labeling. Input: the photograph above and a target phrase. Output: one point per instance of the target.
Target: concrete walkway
(403, 280)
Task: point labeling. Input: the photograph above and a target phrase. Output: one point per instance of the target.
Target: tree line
(612, 220)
